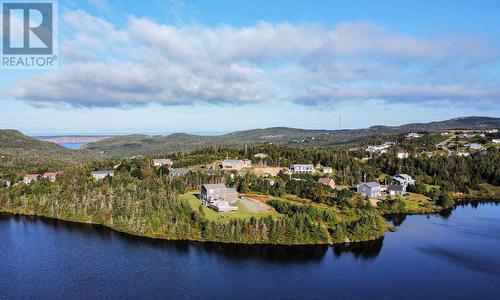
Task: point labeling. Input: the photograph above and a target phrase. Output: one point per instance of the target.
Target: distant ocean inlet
(72, 141)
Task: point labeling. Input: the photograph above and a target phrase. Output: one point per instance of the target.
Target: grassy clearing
(241, 213)
(417, 203)
(486, 191)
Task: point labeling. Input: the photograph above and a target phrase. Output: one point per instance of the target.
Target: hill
(19, 152)
(129, 145)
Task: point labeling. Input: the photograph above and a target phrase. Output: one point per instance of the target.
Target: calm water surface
(455, 256)
(72, 145)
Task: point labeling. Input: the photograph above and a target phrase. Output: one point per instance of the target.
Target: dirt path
(253, 205)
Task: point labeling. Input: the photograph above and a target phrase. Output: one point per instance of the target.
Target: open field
(243, 212)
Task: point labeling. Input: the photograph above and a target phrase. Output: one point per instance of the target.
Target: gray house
(397, 190)
(370, 189)
(218, 191)
(218, 197)
(178, 171)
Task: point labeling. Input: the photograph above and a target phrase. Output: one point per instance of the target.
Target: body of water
(72, 145)
(450, 256)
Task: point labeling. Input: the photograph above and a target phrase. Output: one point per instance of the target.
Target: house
(402, 154)
(475, 146)
(379, 148)
(370, 189)
(162, 162)
(463, 154)
(496, 141)
(102, 174)
(218, 197)
(216, 192)
(178, 171)
(260, 155)
(52, 176)
(397, 189)
(327, 181)
(29, 178)
(404, 179)
(303, 169)
(413, 135)
(235, 164)
(327, 170)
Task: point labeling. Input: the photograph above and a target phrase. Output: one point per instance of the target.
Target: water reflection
(365, 251)
(476, 261)
(276, 254)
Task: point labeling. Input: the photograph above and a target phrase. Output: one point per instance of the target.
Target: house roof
(404, 176)
(102, 172)
(31, 175)
(163, 161)
(370, 184)
(178, 171)
(213, 186)
(398, 188)
(304, 165)
(326, 180)
(50, 174)
(232, 161)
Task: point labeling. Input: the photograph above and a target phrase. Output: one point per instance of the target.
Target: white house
(402, 154)
(235, 164)
(52, 176)
(413, 135)
(496, 141)
(162, 162)
(102, 174)
(404, 179)
(260, 155)
(370, 189)
(303, 169)
(327, 170)
(475, 146)
(378, 148)
(29, 178)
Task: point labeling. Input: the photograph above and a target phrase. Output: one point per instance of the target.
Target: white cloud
(147, 62)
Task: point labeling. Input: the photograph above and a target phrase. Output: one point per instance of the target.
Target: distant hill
(19, 152)
(129, 145)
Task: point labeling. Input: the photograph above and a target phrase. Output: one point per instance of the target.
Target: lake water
(453, 256)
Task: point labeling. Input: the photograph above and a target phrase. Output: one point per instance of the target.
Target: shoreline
(191, 240)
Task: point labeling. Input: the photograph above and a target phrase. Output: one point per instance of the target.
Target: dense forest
(146, 204)
(145, 200)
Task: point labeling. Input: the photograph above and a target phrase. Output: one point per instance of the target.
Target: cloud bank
(311, 64)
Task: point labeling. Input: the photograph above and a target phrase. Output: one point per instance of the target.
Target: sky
(211, 67)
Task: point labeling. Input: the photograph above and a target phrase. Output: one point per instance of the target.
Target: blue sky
(218, 66)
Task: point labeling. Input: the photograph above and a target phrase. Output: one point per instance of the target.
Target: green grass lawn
(212, 215)
(417, 203)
